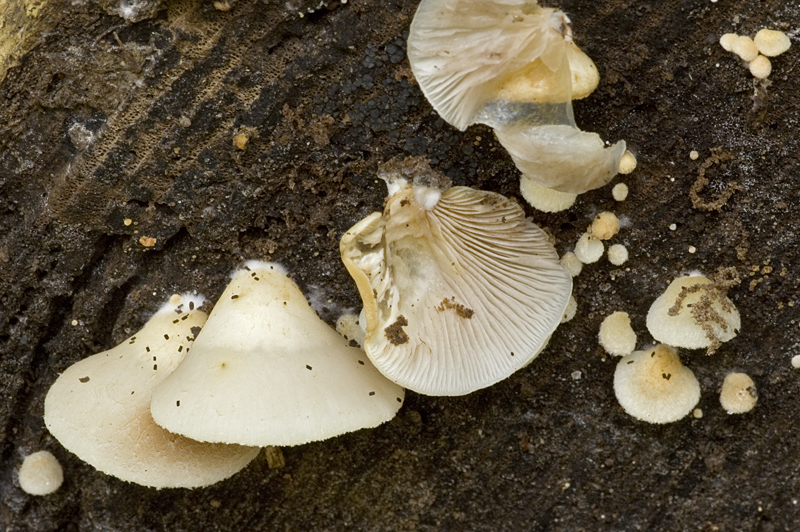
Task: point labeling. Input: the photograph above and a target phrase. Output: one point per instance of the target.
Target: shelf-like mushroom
(512, 65)
(99, 408)
(459, 288)
(266, 370)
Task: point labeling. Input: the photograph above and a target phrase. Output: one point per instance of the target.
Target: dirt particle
(395, 333)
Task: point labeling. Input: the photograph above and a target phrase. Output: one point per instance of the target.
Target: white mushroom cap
(457, 295)
(40, 474)
(627, 163)
(760, 67)
(772, 42)
(543, 198)
(616, 334)
(617, 254)
(727, 40)
(99, 409)
(571, 263)
(654, 386)
(266, 370)
(466, 53)
(605, 225)
(620, 192)
(738, 394)
(589, 249)
(682, 329)
(745, 48)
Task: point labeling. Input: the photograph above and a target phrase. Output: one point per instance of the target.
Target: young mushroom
(99, 408)
(738, 394)
(460, 290)
(266, 370)
(654, 386)
(513, 66)
(695, 312)
(40, 474)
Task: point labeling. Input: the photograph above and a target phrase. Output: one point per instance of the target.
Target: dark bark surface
(106, 121)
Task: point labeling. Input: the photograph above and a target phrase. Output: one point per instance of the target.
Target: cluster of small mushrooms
(459, 288)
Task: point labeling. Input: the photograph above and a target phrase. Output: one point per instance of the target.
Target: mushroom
(616, 334)
(266, 370)
(654, 386)
(99, 408)
(40, 474)
(771, 43)
(513, 66)
(694, 312)
(589, 249)
(738, 394)
(745, 48)
(617, 254)
(460, 290)
(604, 226)
(760, 67)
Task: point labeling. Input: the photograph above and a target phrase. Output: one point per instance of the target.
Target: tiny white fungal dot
(697, 413)
(74, 323)
(40, 474)
(796, 361)
(672, 227)
(576, 375)
(692, 249)
(617, 254)
(620, 192)
(693, 155)
(627, 163)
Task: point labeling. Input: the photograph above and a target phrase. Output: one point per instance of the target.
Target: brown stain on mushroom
(460, 310)
(395, 333)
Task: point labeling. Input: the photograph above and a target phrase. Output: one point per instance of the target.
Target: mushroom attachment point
(99, 408)
(266, 370)
(512, 65)
(695, 312)
(458, 294)
(654, 385)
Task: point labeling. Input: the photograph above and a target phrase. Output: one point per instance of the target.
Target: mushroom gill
(459, 289)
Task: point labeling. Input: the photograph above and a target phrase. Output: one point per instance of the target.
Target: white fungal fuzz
(738, 394)
(40, 474)
(589, 249)
(616, 334)
(348, 325)
(617, 254)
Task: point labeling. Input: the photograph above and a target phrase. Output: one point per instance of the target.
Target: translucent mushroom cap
(691, 313)
(467, 53)
(266, 370)
(459, 289)
(654, 386)
(99, 408)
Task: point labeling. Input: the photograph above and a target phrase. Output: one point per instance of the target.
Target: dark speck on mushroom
(371, 394)
(395, 333)
(308, 367)
(175, 321)
(84, 379)
(361, 362)
(147, 349)
(399, 400)
(666, 375)
(191, 305)
(234, 296)
(155, 366)
(177, 403)
(166, 337)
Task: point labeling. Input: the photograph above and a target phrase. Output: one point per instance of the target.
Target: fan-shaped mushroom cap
(466, 53)
(654, 386)
(266, 370)
(99, 409)
(561, 157)
(703, 309)
(458, 293)
(512, 65)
